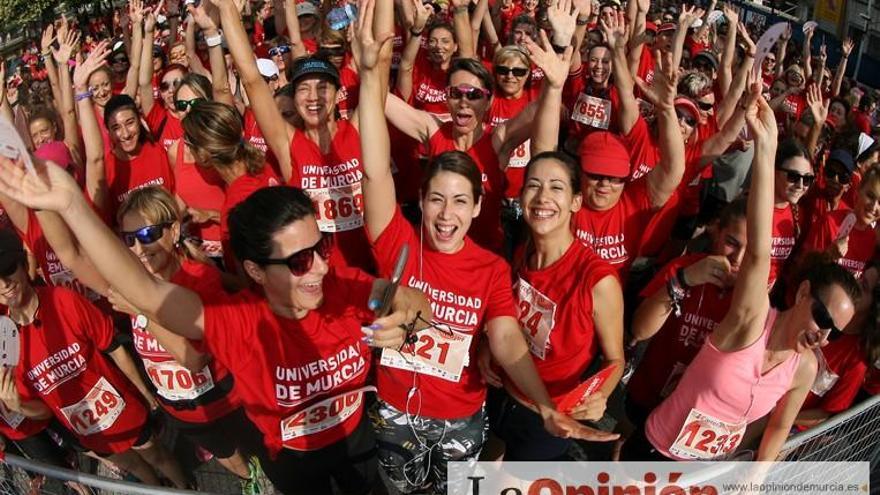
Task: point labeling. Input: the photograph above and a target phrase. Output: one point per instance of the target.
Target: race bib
(537, 315)
(825, 378)
(592, 111)
(704, 437)
(11, 418)
(443, 354)
(97, 411)
(174, 382)
(323, 415)
(338, 209)
(520, 157)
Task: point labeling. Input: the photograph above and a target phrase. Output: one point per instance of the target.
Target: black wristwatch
(558, 48)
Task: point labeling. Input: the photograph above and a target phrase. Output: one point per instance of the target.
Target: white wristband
(213, 41)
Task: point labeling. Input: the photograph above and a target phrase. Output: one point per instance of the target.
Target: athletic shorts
(523, 432)
(414, 451)
(350, 464)
(221, 437)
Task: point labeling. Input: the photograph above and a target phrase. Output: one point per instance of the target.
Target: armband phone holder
(10, 344)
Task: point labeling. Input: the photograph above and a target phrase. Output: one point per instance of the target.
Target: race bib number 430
(338, 209)
(704, 437)
(592, 111)
(174, 382)
(97, 411)
(443, 354)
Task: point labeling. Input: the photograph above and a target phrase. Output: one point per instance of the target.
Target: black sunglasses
(688, 118)
(166, 85)
(272, 78)
(705, 106)
(502, 70)
(184, 105)
(300, 262)
(842, 178)
(12, 268)
(145, 235)
(793, 177)
(333, 51)
(469, 92)
(600, 178)
(822, 316)
(279, 50)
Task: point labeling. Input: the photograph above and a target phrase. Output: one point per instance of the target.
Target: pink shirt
(718, 395)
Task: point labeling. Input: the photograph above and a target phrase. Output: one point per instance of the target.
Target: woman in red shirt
(570, 309)
(430, 400)
(794, 176)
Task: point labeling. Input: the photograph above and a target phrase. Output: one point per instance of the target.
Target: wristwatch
(141, 321)
(215, 40)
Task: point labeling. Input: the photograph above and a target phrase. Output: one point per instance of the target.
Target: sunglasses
(166, 85)
(272, 78)
(184, 105)
(842, 178)
(502, 70)
(705, 106)
(11, 269)
(145, 235)
(469, 92)
(688, 119)
(279, 50)
(793, 177)
(600, 178)
(822, 316)
(119, 60)
(333, 51)
(300, 262)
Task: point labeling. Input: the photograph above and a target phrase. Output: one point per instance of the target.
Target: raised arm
(461, 24)
(145, 74)
(687, 17)
(379, 199)
(615, 34)
(205, 15)
(637, 37)
(725, 74)
(781, 47)
(189, 41)
(562, 16)
(96, 179)
(846, 49)
(823, 59)
(819, 109)
(480, 13)
(134, 50)
(703, 31)
(53, 189)
(808, 54)
(545, 127)
(737, 86)
(51, 71)
(665, 178)
(297, 48)
(68, 40)
(421, 14)
(276, 130)
(744, 321)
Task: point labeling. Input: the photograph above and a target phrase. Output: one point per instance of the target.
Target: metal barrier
(853, 435)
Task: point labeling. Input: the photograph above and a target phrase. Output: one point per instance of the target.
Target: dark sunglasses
(184, 105)
(279, 50)
(502, 70)
(469, 92)
(166, 85)
(822, 316)
(333, 51)
(119, 60)
(842, 178)
(300, 262)
(688, 118)
(272, 78)
(11, 269)
(793, 177)
(705, 106)
(600, 178)
(145, 235)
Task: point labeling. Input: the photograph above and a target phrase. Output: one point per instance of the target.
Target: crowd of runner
(640, 231)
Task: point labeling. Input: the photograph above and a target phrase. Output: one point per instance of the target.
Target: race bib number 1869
(338, 209)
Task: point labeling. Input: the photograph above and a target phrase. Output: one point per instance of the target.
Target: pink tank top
(718, 395)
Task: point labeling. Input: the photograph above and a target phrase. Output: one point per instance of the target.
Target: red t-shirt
(62, 365)
(334, 182)
(486, 228)
(171, 130)
(466, 290)
(297, 378)
(616, 233)
(556, 315)
(501, 111)
(429, 86)
(861, 121)
(203, 189)
(149, 168)
(840, 375)
(348, 94)
(237, 192)
(254, 135)
(51, 269)
(783, 240)
(860, 247)
(591, 108)
(677, 342)
(643, 150)
(204, 395)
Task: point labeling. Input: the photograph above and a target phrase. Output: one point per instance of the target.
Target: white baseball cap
(306, 8)
(267, 67)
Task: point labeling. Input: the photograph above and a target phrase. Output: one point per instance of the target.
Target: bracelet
(676, 294)
(213, 41)
(46, 54)
(416, 33)
(583, 22)
(679, 274)
(460, 8)
(83, 96)
(558, 48)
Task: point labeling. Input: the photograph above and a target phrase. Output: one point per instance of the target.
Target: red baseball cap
(604, 153)
(666, 26)
(688, 104)
(55, 151)
(650, 26)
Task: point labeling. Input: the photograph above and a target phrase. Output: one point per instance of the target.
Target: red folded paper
(584, 389)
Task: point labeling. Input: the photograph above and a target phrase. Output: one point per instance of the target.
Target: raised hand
(555, 67)
(730, 13)
(136, 12)
(847, 47)
(201, 17)
(665, 81)
(786, 35)
(63, 28)
(421, 14)
(689, 15)
(365, 46)
(66, 46)
(50, 188)
(84, 68)
(762, 122)
(823, 53)
(562, 16)
(818, 106)
(751, 49)
(615, 30)
(585, 7)
(47, 38)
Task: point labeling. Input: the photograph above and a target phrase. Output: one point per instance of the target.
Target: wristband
(83, 96)
(583, 22)
(558, 48)
(213, 41)
(416, 33)
(460, 8)
(679, 274)
(676, 294)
